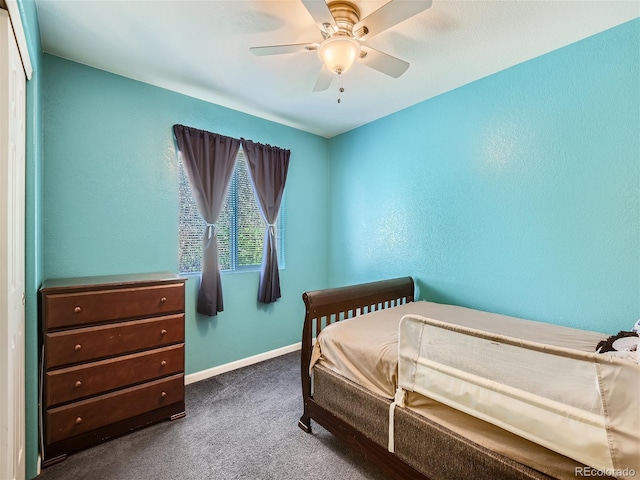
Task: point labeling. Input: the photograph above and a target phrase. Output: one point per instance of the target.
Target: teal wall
(33, 231)
(518, 193)
(110, 202)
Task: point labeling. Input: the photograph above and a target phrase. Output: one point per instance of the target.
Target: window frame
(234, 237)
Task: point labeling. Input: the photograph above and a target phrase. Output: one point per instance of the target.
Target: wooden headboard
(333, 304)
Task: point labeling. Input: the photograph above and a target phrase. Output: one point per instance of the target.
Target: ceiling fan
(344, 34)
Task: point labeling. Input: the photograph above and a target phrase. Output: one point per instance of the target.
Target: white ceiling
(201, 49)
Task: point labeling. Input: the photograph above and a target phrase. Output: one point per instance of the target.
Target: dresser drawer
(85, 415)
(91, 343)
(82, 308)
(72, 383)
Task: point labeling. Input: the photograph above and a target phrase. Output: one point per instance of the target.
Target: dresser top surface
(110, 281)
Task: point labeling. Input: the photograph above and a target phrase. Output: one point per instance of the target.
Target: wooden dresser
(113, 358)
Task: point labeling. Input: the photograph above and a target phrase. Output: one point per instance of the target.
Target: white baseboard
(244, 362)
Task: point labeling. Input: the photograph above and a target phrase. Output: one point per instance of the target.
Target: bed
(359, 382)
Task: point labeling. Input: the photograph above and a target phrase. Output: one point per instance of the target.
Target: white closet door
(12, 254)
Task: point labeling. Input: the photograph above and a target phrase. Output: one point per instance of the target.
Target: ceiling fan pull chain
(340, 89)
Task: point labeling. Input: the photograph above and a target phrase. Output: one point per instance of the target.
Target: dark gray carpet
(241, 424)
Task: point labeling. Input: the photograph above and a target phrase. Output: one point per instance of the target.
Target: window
(240, 228)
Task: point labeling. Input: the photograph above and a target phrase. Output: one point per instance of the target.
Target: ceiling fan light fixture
(339, 53)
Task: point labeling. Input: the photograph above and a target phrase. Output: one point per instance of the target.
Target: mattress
(365, 350)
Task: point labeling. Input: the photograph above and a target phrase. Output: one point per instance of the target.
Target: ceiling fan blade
(325, 77)
(322, 15)
(280, 49)
(392, 66)
(387, 16)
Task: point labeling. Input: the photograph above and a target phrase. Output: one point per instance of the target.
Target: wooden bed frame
(324, 307)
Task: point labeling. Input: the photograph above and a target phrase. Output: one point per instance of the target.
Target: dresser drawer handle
(78, 384)
(163, 300)
(78, 420)
(78, 347)
(163, 332)
(163, 363)
(163, 394)
(77, 310)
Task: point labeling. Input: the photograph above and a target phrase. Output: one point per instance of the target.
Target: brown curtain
(209, 160)
(268, 171)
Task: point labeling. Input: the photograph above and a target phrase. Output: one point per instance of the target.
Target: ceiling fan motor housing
(346, 15)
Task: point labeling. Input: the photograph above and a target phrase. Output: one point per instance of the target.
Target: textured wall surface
(111, 202)
(518, 193)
